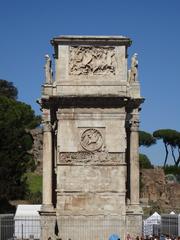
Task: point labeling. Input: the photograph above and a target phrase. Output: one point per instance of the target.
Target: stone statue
(48, 70)
(133, 72)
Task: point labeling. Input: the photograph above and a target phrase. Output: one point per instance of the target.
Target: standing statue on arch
(48, 70)
(133, 72)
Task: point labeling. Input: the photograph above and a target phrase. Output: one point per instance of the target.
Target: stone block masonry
(90, 141)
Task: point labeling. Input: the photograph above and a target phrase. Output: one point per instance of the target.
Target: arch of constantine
(90, 142)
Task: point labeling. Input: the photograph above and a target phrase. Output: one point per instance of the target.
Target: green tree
(144, 161)
(171, 139)
(146, 139)
(16, 119)
(7, 89)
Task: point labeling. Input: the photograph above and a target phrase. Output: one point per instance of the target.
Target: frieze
(92, 61)
(90, 158)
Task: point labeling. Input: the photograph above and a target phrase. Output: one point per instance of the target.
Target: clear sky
(27, 26)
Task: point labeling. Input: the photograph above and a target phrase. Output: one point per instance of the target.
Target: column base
(48, 222)
(134, 209)
(134, 220)
(47, 208)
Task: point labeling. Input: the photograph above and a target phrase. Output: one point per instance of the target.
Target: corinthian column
(47, 165)
(134, 159)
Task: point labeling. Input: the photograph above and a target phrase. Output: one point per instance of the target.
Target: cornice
(91, 40)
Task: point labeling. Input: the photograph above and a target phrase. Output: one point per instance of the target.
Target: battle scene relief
(92, 61)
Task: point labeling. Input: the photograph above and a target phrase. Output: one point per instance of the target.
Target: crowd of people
(153, 237)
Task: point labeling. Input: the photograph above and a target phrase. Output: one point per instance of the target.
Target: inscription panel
(92, 61)
(89, 158)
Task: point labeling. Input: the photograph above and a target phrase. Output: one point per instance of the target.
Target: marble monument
(90, 111)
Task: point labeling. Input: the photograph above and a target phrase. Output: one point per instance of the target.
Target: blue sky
(27, 26)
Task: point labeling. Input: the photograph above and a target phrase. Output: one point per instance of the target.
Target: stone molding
(90, 158)
(100, 193)
(88, 102)
(63, 116)
(91, 40)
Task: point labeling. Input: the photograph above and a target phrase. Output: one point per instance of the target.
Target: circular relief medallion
(91, 139)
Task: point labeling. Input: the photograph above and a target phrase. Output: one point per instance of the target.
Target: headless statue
(133, 72)
(48, 70)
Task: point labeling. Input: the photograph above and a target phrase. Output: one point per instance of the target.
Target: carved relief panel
(91, 139)
(92, 61)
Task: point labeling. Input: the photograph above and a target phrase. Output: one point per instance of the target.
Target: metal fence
(24, 228)
(166, 224)
(12, 227)
(170, 224)
(90, 228)
(6, 226)
(27, 227)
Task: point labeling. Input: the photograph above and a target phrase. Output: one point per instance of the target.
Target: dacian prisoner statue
(90, 116)
(48, 70)
(133, 72)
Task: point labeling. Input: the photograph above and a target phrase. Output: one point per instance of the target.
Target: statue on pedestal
(48, 70)
(133, 72)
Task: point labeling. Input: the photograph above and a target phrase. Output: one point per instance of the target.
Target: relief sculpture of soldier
(133, 72)
(90, 61)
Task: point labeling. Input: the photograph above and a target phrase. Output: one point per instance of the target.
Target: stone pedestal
(48, 225)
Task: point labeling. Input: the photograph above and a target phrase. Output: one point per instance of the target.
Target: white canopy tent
(148, 224)
(172, 213)
(27, 221)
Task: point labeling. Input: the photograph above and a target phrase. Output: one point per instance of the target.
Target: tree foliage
(7, 89)
(144, 161)
(170, 169)
(171, 139)
(146, 139)
(16, 119)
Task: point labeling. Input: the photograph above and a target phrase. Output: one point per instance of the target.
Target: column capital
(134, 125)
(47, 126)
(134, 122)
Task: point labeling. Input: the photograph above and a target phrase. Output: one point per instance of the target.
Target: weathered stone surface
(48, 224)
(74, 122)
(91, 178)
(89, 158)
(90, 141)
(161, 195)
(90, 204)
(133, 225)
(153, 186)
(92, 61)
(91, 227)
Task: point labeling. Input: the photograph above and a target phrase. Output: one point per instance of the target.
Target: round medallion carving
(91, 139)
